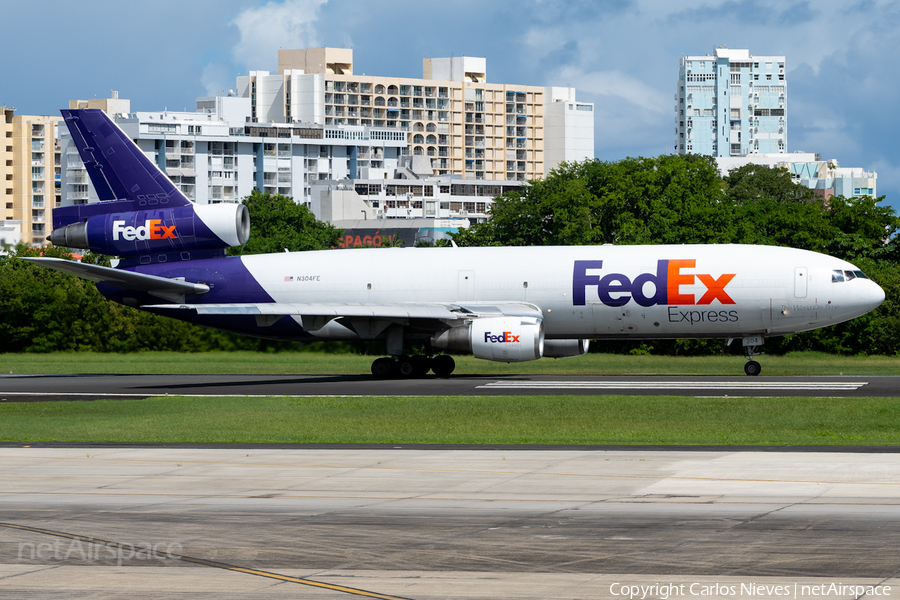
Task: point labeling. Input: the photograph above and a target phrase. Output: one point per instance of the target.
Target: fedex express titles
(617, 289)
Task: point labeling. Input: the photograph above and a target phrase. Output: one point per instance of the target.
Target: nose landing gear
(752, 367)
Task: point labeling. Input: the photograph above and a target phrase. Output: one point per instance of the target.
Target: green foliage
(278, 224)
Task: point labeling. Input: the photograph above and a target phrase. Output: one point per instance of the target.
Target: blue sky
(842, 57)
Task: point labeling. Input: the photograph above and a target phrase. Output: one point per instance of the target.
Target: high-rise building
(463, 124)
(29, 173)
(731, 103)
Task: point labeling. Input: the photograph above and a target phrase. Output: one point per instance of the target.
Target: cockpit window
(839, 276)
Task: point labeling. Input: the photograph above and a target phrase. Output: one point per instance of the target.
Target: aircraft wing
(158, 286)
(316, 316)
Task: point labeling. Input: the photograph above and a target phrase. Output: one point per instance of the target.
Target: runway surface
(19, 388)
(428, 524)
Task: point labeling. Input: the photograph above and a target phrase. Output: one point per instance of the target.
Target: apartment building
(29, 174)
(731, 103)
(463, 124)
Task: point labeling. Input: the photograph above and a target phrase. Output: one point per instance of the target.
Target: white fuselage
(685, 291)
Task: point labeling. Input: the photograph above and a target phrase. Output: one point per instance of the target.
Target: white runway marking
(677, 385)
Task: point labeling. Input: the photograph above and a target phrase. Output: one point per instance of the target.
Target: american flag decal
(288, 277)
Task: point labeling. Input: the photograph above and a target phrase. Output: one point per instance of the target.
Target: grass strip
(282, 363)
(463, 420)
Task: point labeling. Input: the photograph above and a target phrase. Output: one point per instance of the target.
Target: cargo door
(801, 282)
(466, 285)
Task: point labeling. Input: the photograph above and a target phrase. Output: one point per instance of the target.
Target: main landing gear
(412, 366)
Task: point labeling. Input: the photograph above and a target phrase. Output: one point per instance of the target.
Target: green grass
(462, 420)
(800, 363)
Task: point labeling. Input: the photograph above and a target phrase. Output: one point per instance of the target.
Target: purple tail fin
(118, 169)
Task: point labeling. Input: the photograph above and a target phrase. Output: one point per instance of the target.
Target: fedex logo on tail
(503, 338)
(616, 289)
(152, 229)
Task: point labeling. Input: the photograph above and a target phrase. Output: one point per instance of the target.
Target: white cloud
(216, 78)
(266, 29)
(616, 83)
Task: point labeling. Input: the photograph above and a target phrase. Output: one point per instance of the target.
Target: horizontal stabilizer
(128, 280)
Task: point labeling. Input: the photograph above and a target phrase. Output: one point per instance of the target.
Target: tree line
(669, 199)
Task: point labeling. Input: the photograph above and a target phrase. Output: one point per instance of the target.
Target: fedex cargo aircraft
(502, 304)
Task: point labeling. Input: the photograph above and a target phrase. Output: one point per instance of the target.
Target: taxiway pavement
(428, 524)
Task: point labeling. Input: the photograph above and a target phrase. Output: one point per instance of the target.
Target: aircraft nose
(876, 295)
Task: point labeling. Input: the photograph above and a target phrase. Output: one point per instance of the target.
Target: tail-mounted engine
(160, 231)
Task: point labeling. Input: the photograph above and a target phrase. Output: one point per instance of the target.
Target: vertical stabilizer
(119, 169)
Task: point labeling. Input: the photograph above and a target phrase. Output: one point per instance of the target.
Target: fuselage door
(466, 288)
(801, 281)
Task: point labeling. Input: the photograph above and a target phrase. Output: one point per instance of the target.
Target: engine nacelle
(501, 339)
(160, 230)
(565, 348)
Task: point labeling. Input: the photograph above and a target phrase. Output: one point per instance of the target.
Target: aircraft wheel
(406, 368)
(443, 365)
(752, 368)
(382, 368)
(423, 365)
